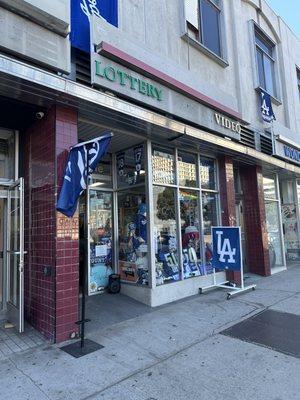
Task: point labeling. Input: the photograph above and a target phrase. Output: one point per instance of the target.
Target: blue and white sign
(226, 248)
(81, 11)
(82, 161)
(267, 112)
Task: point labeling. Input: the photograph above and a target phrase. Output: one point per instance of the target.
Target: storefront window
(290, 220)
(190, 234)
(131, 166)
(165, 235)
(100, 240)
(210, 218)
(208, 173)
(163, 166)
(274, 235)
(273, 222)
(269, 188)
(102, 176)
(187, 169)
(133, 242)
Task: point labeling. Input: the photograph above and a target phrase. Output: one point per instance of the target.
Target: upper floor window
(203, 19)
(265, 62)
(298, 80)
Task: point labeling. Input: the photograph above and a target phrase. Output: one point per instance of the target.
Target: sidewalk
(174, 352)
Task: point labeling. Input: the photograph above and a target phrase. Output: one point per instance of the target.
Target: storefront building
(189, 152)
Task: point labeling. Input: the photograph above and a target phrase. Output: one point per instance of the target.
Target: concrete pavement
(174, 352)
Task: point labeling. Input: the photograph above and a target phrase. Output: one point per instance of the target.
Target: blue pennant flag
(81, 11)
(82, 161)
(266, 107)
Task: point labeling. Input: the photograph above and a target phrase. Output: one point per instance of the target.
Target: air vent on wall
(248, 137)
(266, 146)
(83, 69)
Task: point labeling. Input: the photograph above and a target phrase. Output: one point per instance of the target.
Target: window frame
(270, 45)
(197, 189)
(200, 25)
(189, 30)
(277, 98)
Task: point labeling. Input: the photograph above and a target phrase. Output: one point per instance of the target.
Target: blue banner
(81, 11)
(226, 248)
(267, 112)
(82, 162)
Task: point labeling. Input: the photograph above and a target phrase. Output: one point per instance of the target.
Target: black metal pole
(85, 264)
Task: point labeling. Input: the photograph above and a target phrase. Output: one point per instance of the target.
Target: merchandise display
(100, 240)
(133, 248)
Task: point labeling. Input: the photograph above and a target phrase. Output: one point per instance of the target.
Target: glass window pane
(210, 218)
(7, 154)
(163, 168)
(207, 173)
(133, 243)
(264, 43)
(187, 169)
(165, 235)
(102, 176)
(190, 234)
(269, 75)
(210, 26)
(100, 240)
(290, 220)
(274, 235)
(131, 166)
(269, 188)
(260, 66)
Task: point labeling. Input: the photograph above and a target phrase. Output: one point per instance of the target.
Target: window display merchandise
(165, 235)
(290, 220)
(190, 234)
(273, 221)
(100, 240)
(183, 211)
(133, 247)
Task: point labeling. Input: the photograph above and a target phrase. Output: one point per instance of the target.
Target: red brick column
(255, 221)
(51, 240)
(227, 196)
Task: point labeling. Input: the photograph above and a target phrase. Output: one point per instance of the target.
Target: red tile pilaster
(255, 221)
(67, 234)
(51, 240)
(227, 196)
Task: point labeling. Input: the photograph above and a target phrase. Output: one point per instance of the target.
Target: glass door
(15, 253)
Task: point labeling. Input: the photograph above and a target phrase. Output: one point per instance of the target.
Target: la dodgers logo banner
(226, 248)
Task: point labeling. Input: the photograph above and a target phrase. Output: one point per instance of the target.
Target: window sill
(276, 101)
(199, 46)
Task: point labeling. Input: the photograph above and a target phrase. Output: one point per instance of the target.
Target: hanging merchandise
(121, 163)
(138, 154)
(141, 221)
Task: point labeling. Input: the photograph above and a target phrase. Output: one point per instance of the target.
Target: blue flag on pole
(82, 161)
(81, 11)
(266, 107)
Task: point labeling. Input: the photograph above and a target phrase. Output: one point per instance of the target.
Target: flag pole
(86, 261)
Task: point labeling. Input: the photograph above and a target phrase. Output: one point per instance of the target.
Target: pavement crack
(29, 377)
